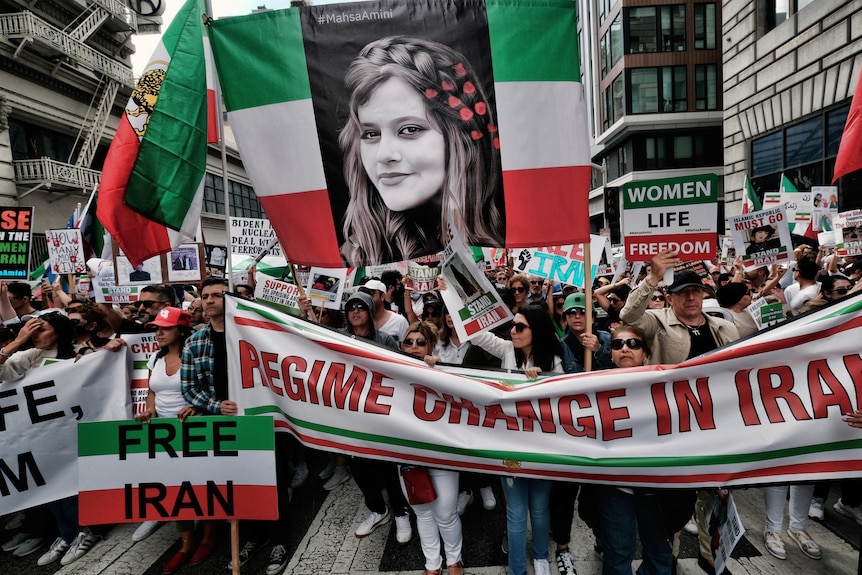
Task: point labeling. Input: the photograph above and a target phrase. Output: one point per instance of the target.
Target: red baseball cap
(170, 317)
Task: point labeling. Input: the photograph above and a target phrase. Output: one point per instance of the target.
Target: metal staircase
(90, 24)
(98, 123)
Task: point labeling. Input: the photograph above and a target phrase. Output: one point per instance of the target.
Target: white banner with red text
(766, 409)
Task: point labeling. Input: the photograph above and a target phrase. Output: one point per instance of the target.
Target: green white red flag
(282, 75)
(750, 202)
(850, 150)
(151, 189)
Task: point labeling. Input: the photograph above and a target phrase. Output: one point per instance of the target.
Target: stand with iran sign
(773, 402)
(678, 214)
(762, 238)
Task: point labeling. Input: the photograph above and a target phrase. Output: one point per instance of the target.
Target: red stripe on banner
(689, 246)
(212, 123)
(548, 206)
(159, 502)
(479, 323)
(261, 324)
(304, 226)
(693, 479)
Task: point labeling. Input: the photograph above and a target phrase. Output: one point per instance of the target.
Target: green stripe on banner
(140, 364)
(564, 459)
(236, 434)
(545, 50)
(251, 73)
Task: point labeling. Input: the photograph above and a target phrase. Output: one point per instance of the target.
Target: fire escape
(68, 48)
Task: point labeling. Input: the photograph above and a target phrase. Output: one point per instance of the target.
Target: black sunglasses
(420, 342)
(576, 311)
(431, 313)
(519, 289)
(632, 343)
(657, 298)
(519, 327)
(357, 307)
(144, 303)
(841, 290)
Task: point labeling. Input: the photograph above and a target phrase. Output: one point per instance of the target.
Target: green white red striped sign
(204, 468)
(282, 75)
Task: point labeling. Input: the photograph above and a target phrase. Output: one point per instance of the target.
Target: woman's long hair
(424, 328)
(185, 333)
(455, 98)
(546, 345)
(65, 330)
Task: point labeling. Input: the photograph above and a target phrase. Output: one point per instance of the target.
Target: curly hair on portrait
(455, 99)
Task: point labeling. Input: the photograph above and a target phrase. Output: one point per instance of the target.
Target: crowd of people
(636, 320)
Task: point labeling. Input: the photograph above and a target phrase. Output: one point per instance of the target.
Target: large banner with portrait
(767, 409)
(362, 124)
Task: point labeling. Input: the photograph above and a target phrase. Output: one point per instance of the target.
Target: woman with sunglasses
(627, 512)
(657, 300)
(438, 519)
(519, 285)
(534, 348)
(832, 287)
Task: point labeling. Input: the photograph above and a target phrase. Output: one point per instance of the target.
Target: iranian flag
(850, 150)
(283, 79)
(205, 468)
(151, 188)
(750, 202)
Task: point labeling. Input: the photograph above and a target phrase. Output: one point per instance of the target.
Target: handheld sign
(66, 251)
(677, 214)
(204, 468)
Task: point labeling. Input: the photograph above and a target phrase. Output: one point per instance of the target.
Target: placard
(15, 235)
(66, 251)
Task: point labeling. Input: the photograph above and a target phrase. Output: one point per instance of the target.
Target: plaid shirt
(196, 372)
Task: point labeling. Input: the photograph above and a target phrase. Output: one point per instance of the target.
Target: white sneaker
(489, 502)
(403, 529)
(79, 547)
(854, 513)
(277, 560)
(15, 542)
(815, 510)
(327, 471)
(340, 476)
(300, 475)
(691, 527)
(55, 552)
(145, 529)
(372, 522)
(29, 546)
(465, 498)
(541, 567)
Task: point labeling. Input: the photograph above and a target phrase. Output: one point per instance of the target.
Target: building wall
(806, 64)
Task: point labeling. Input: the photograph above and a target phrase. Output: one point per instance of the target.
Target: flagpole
(223, 145)
(588, 303)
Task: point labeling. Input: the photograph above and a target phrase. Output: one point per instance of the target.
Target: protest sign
(203, 468)
(849, 225)
(763, 236)
(728, 251)
(564, 264)
(471, 300)
(724, 527)
(798, 205)
(66, 251)
(678, 214)
(251, 236)
(422, 274)
(325, 286)
(774, 401)
(39, 417)
(278, 293)
(185, 263)
(150, 271)
(105, 288)
(15, 230)
(141, 346)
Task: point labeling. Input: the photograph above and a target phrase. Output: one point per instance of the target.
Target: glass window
(704, 26)
(213, 195)
(616, 32)
(673, 28)
(767, 154)
(642, 30)
(706, 87)
(835, 121)
(804, 142)
(604, 54)
(618, 98)
(644, 90)
(243, 201)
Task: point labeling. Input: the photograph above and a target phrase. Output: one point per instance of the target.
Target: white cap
(375, 285)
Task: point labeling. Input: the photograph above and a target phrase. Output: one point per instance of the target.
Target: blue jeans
(526, 496)
(621, 514)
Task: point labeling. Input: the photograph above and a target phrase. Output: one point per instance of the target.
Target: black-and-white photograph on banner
(184, 263)
(216, 256)
(325, 286)
(400, 100)
(762, 238)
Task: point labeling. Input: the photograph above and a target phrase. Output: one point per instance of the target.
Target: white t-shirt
(451, 353)
(797, 298)
(169, 398)
(395, 326)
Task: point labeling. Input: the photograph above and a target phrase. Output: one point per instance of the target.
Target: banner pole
(234, 546)
(301, 289)
(588, 304)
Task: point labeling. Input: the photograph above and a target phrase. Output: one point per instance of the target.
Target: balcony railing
(52, 172)
(121, 12)
(28, 26)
